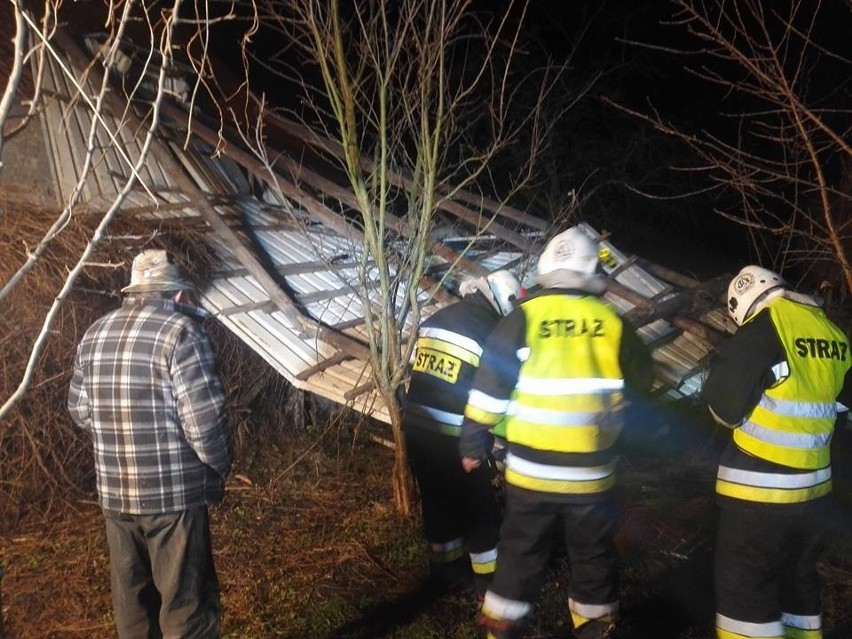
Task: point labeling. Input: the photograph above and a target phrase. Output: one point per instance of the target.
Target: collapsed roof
(288, 258)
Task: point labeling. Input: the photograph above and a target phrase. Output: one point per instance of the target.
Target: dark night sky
(644, 79)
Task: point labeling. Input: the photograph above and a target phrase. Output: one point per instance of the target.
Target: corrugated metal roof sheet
(315, 265)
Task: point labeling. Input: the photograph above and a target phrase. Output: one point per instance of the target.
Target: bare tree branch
(108, 216)
(788, 159)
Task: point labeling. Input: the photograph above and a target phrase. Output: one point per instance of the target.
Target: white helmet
(571, 250)
(506, 289)
(747, 288)
(500, 288)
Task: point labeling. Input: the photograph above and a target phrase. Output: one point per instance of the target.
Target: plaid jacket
(145, 385)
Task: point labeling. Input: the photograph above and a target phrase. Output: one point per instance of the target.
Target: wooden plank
(322, 366)
(699, 329)
(644, 315)
(359, 390)
(626, 264)
(98, 180)
(300, 268)
(327, 294)
(301, 173)
(345, 377)
(128, 131)
(266, 305)
(288, 270)
(352, 323)
(311, 205)
(112, 166)
(669, 275)
(625, 293)
(50, 155)
(403, 181)
(54, 112)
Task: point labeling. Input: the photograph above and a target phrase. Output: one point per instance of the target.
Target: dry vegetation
(308, 546)
(44, 459)
(34, 470)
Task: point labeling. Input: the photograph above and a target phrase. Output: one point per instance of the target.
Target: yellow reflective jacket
(781, 451)
(553, 373)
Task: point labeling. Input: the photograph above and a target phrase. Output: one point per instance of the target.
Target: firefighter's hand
(469, 463)
(499, 450)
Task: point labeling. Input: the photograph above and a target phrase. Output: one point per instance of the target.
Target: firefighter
(460, 511)
(556, 371)
(775, 383)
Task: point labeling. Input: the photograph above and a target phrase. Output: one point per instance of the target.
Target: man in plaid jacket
(145, 386)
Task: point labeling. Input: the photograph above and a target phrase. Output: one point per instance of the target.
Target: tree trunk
(403, 482)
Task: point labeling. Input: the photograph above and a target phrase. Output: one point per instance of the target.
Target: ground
(308, 545)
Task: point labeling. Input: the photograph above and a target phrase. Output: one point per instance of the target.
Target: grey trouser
(162, 575)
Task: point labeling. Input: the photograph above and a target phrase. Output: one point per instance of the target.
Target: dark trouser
(163, 580)
(455, 505)
(765, 568)
(525, 546)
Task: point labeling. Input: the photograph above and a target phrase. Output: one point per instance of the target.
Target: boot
(503, 630)
(452, 577)
(602, 628)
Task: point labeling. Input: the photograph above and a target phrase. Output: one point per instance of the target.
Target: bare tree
(98, 107)
(419, 97)
(787, 155)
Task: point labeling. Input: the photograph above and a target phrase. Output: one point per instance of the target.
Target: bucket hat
(155, 271)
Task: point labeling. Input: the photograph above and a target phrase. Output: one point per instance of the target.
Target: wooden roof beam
(316, 209)
(334, 360)
(699, 329)
(483, 223)
(669, 275)
(265, 305)
(301, 173)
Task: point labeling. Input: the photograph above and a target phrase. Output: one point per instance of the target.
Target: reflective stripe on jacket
(794, 419)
